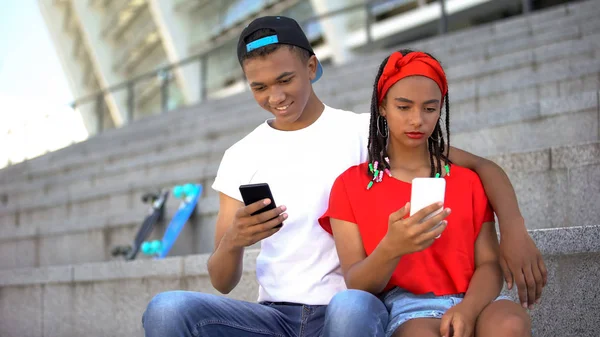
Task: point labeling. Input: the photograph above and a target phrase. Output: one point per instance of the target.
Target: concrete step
(579, 106)
(550, 122)
(472, 62)
(472, 98)
(108, 298)
(525, 84)
(572, 21)
(482, 42)
(584, 48)
(556, 187)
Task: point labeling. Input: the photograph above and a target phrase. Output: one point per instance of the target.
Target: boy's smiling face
(281, 84)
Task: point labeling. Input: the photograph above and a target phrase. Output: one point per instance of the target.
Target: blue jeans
(185, 313)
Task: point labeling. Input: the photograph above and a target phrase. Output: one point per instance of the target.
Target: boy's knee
(355, 313)
(165, 307)
(352, 297)
(352, 302)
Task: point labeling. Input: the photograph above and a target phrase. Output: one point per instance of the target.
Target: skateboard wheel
(146, 248)
(152, 247)
(189, 189)
(156, 246)
(178, 191)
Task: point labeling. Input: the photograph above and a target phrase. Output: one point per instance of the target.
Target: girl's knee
(514, 325)
(504, 318)
(422, 327)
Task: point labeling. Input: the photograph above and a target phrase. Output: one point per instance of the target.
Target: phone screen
(427, 191)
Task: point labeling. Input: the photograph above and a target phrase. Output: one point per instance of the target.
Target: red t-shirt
(444, 268)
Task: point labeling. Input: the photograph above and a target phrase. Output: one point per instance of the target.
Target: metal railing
(165, 74)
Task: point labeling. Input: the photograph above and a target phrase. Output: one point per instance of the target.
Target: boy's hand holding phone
(412, 234)
(248, 229)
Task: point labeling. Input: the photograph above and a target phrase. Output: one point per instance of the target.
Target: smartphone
(252, 193)
(427, 191)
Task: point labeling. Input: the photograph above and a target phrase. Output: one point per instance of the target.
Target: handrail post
(368, 23)
(443, 18)
(203, 76)
(164, 91)
(526, 6)
(100, 112)
(130, 102)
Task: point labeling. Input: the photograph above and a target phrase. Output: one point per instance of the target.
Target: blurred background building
(120, 46)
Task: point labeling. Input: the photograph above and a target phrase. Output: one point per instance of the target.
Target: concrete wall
(108, 298)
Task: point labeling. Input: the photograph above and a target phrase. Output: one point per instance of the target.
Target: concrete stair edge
(555, 241)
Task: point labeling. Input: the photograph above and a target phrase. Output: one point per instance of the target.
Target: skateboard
(189, 195)
(157, 209)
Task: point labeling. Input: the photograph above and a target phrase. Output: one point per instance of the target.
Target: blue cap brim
(272, 39)
(319, 72)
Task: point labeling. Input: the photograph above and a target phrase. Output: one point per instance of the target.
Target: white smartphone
(427, 191)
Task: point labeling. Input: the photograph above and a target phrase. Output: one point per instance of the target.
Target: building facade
(122, 44)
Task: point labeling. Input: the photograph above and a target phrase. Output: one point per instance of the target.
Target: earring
(437, 127)
(385, 127)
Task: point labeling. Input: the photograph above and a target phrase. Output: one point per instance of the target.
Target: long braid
(447, 100)
(377, 143)
(430, 143)
(438, 150)
(438, 147)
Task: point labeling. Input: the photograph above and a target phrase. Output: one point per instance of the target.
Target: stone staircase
(524, 92)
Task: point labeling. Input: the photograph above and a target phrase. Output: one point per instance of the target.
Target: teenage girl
(434, 280)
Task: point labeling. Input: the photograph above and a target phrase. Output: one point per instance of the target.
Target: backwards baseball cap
(286, 31)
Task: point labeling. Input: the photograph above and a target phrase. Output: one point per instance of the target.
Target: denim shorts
(403, 306)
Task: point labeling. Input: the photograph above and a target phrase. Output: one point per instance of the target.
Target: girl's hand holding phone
(409, 235)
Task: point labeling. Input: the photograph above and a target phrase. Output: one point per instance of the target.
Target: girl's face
(412, 110)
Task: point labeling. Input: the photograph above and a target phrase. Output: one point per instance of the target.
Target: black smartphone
(252, 193)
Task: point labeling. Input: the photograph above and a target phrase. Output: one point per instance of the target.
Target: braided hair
(438, 146)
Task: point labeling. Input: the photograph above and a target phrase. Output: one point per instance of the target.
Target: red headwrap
(399, 66)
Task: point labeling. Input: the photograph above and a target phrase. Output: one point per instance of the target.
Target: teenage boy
(299, 153)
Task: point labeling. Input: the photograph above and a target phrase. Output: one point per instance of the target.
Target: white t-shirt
(299, 263)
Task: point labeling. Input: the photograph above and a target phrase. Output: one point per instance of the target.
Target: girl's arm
(369, 273)
(484, 287)
(404, 236)
(486, 282)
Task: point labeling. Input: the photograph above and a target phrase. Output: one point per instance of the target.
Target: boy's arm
(497, 186)
(236, 229)
(520, 259)
(225, 265)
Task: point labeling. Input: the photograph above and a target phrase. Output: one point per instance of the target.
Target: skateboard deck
(157, 208)
(189, 195)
